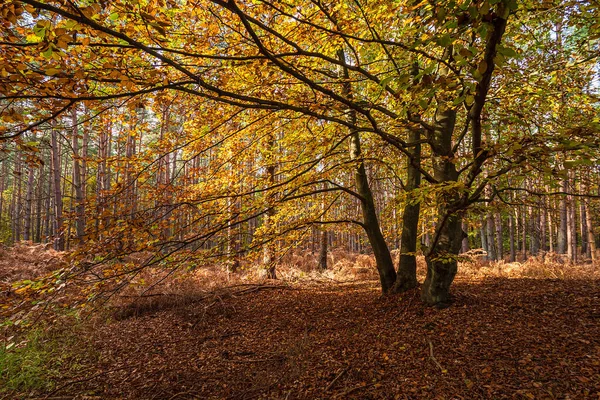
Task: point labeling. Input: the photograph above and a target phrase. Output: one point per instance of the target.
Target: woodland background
(167, 162)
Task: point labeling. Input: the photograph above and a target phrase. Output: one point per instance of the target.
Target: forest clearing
(320, 335)
(301, 199)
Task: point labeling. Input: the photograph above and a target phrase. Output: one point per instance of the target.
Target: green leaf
(384, 82)
(47, 53)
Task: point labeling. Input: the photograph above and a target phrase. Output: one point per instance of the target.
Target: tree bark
(383, 258)
(490, 229)
(442, 256)
(407, 269)
(28, 234)
(561, 245)
(77, 182)
(511, 224)
(59, 239)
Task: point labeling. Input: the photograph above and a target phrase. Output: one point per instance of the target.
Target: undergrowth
(34, 362)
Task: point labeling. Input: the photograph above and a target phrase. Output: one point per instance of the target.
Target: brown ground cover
(506, 336)
(503, 338)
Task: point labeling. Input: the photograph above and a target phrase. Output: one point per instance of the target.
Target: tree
(421, 91)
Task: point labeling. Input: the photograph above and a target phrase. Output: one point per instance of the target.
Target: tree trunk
(28, 234)
(323, 250)
(490, 229)
(407, 269)
(511, 224)
(482, 233)
(383, 258)
(561, 245)
(77, 182)
(465, 241)
(590, 233)
(499, 237)
(442, 256)
(268, 248)
(59, 239)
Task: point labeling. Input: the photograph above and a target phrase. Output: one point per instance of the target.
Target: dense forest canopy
(233, 131)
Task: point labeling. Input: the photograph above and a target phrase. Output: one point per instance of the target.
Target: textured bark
(561, 245)
(583, 228)
(512, 234)
(482, 233)
(324, 239)
(59, 240)
(442, 257)
(268, 248)
(571, 224)
(383, 258)
(490, 233)
(465, 242)
(407, 268)
(590, 234)
(77, 182)
(499, 237)
(28, 234)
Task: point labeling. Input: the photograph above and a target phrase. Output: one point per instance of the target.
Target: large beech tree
(428, 81)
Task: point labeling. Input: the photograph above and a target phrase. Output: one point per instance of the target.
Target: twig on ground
(354, 389)
(48, 396)
(336, 378)
(433, 357)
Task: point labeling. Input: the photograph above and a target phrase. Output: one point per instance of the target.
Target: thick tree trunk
(383, 258)
(442, 256)
(407, 269)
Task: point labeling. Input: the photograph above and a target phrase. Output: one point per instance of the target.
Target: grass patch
(36, 362)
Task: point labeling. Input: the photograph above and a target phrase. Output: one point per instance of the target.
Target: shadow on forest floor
(502, 338)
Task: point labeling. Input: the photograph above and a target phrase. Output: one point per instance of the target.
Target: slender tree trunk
(77, 182)
(323, 250)
(17, 218)
(482, 233)
(465, 241)
(39, 204)
(511, 224)
(561, 245)
(28, 234)
(590, 234)
(490, 229)
(269, 247)
(407, 269)
(571, 223)
(524, 238)
(383, 258)
(534, 221)
(499, 237)
(59, 241)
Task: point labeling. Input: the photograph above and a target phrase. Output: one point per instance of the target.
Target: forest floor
(503, 337)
